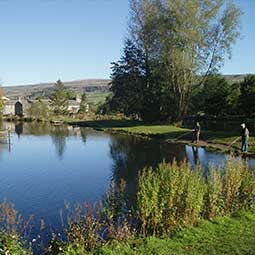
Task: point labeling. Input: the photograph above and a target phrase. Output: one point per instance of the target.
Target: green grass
(166, 131)
(97, 97)
(10, 244)
(226, 235)
(170, 132)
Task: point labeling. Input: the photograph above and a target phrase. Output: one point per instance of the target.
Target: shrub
(169, 197)
(232, 181)
(13, 230)
(213, 198)
(173, 196)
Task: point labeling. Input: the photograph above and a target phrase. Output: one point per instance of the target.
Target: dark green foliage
(128, 82)
(214, 97)
(247, 97)
(59, 99)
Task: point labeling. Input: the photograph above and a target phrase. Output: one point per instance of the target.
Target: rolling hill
(96, 89)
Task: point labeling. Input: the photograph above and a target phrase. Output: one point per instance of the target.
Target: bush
(169, 197)
(173, 196)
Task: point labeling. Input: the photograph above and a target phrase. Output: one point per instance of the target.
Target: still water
(46, 165)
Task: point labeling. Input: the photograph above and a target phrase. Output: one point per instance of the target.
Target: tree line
(57, 104)
(221, 97)
(172, 51)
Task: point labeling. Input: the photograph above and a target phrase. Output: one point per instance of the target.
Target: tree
(183, 42)
(216, 93)
(83, 104)
(247, 96)
(1, 101)
(128, 81)
(59, 99)
(216, 97)
(39, 110)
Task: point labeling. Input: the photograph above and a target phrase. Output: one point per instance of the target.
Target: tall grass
(13, 231)
(172, 196)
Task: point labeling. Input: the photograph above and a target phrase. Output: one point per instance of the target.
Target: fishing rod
(183, 135)
(234, 141)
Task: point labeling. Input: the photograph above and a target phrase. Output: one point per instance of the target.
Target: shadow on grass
(111, 123)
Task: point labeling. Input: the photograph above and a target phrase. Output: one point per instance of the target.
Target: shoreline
(209, 145)
(215, 141)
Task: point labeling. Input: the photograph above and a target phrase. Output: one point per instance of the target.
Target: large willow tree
(182, 41)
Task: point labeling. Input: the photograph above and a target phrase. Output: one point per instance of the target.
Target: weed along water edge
(48, 166)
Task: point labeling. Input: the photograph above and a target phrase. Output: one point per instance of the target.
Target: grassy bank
(226, 235)
(214, 140)
(219, 140)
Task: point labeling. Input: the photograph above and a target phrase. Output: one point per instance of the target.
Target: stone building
(20, 106)
(15, 107)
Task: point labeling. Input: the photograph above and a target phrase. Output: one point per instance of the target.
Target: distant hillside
(98, 86)
(234, 77)
(96, 89)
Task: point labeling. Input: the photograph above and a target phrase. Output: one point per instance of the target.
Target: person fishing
(245, 138)
(196, 133)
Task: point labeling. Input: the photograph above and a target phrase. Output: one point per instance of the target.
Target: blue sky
(44, 40)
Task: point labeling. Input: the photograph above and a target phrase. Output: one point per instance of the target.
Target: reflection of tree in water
(131, 154)
(38, 129)
(84, 133)
(58, 135)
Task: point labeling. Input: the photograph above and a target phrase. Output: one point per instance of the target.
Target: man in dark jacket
(245, 137)
(196, 133)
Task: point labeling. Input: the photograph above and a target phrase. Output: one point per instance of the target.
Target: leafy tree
(83, 103)
(39, 110)
(59, 99)
(183, 42)
(247, 96)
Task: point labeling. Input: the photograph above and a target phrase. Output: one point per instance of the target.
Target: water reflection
(58, 136)
(133, 154)
(58, 133)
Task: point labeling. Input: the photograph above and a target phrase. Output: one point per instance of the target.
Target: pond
(46, 165)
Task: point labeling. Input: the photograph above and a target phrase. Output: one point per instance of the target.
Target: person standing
(245, 138)
(196, 133)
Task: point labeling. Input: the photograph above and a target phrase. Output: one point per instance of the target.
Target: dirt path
(223, 148)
